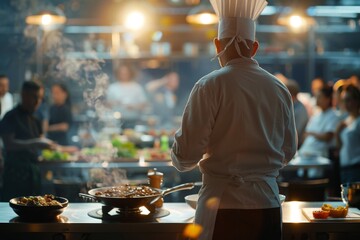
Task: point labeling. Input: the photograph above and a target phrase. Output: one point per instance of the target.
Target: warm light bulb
(207, 18)
(296, 21)
(204, 18)
(135, 20)
(46, 19)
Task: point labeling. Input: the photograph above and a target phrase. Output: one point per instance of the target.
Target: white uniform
(6, 104)
(126, 94)
(238, 125)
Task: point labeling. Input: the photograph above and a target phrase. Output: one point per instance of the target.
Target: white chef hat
(237, 19)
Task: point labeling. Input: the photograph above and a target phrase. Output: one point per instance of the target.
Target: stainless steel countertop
(75, 219)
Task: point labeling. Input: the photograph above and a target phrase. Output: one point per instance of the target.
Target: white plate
(192, 199)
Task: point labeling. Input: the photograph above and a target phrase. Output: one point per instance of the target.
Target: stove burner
(109, 213)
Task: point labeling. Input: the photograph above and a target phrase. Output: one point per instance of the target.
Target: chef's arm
(185, 152)
(19, 144)
(156, 84)
(192, 139)
(291, 138)
(61, 127)
(326, 137)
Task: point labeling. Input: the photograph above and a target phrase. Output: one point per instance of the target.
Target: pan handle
(185, 186)
(88, 197)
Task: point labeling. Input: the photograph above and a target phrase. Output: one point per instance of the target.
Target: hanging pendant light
(296, 19)
(47, 17)
(202, 14)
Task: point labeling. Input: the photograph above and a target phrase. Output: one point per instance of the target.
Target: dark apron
(21, 176)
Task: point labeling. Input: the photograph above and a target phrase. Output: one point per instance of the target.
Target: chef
(238, 126)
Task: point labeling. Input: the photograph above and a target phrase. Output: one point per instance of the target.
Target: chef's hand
(44, 143)
(67, 149)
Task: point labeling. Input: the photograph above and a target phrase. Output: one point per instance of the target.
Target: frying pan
(133, 202)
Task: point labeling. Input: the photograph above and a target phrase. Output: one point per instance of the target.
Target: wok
(133, 202)
(350, 194)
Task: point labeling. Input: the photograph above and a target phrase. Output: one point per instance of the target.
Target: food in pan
(127, 191)
(46, 200)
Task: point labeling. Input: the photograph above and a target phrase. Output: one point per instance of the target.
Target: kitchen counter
(75, 223)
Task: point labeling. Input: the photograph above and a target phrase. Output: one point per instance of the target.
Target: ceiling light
(46, 18)
(202, 14)
(296, 20)
(135, 20)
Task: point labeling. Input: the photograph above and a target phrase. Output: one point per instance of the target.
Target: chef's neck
(231, 52)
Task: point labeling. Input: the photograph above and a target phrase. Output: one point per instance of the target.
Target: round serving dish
(38, 212)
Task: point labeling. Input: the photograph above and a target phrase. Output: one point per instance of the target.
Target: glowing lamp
(202, 14)
(135, 20)
(46, 18)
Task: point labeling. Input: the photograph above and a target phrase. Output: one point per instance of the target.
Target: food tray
(352, 216)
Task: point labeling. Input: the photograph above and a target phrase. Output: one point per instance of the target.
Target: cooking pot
(350, 194)
(132, 202)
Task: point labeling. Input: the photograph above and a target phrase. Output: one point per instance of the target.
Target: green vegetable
(124, 149)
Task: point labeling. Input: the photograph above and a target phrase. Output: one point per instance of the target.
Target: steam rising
(87, 73)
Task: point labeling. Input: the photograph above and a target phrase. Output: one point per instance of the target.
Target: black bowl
(38, 212)
(350, 194)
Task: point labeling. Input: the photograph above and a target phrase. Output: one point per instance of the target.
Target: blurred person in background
(338, 104)
(6, 99)
(348, 135)
(354, 80)
(23, 138)
(281, 77)
(320, 129)
(127, 96)
(163, 95)
(309, 99)
(60, 115)
(319, 132)
(42, 112)
(238, 126)
(301, 115)
(6, 104)
(316, 85)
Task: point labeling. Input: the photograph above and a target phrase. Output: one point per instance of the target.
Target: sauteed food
(46, 200)
(127, 191)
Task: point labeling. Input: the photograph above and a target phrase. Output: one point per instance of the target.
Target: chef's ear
(217, 45)
(255, 47)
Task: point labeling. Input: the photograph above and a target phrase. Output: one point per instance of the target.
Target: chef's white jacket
(238, 126)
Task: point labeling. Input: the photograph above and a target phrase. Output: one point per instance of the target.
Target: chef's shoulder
(279, 85)
(211, 79)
